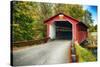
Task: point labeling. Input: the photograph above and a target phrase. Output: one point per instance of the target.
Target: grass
(83, 54)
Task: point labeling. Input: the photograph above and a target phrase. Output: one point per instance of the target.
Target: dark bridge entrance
(63, 30)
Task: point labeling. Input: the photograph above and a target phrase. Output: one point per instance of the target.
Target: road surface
(54, 52)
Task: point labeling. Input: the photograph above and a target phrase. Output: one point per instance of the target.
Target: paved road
(54, 52)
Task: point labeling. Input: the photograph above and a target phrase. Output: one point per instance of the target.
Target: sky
(93, 11)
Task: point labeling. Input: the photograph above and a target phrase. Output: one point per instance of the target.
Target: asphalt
(54, 52)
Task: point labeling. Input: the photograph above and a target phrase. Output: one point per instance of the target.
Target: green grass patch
(83, 54)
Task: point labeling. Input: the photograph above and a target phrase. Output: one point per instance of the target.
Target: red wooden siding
(81, 33)
(48, 30)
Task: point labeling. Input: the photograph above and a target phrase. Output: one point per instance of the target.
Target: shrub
(83, 54)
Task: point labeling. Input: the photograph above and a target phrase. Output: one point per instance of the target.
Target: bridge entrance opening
(63, 30)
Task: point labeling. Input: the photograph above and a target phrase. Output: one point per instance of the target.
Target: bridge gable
(61, 17)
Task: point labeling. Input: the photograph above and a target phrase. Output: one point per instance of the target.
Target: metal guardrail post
(73, 53)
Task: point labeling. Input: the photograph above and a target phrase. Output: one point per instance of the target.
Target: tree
(87, 18)
(95, 28)
(74, 11)
(24, 20)
(45, 11)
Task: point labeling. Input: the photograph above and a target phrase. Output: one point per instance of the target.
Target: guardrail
(29, 42)
(73, 55)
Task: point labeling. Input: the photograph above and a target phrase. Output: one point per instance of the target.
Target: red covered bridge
(62, 26)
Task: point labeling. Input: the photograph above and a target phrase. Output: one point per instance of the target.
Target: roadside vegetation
(84, 55)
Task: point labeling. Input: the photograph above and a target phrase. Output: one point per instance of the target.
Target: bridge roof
(53, 17)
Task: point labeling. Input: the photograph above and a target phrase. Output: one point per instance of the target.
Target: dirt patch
(19, 48)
